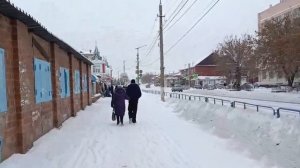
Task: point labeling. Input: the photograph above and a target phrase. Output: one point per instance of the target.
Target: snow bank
(260, 135)
(262, 94)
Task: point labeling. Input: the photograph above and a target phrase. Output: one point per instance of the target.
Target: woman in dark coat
(118, 103)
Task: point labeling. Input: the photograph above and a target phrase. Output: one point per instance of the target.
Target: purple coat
(118, 101)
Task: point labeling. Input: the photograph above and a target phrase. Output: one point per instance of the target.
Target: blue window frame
(43, 82)
(77, 82)
(3, 96)
(84, 82)
(64, 79)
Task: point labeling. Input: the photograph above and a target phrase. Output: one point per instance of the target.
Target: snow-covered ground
(259, 135)
(260, 96)
(174, 134)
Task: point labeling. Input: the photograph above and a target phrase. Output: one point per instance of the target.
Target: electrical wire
(169, 22)
(178, 6)
(185, 12)
(190, 29)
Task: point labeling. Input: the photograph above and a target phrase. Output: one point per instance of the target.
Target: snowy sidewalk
(160, 139)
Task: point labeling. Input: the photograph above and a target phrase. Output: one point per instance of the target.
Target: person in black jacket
(133, 91)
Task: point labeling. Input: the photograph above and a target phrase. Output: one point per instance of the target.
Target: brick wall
(77, 100)
(26, 121)
(63, 104)
(207, 71)
(8, 120)
(85, 94)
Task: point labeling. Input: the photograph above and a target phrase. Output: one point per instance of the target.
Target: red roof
(209, 60)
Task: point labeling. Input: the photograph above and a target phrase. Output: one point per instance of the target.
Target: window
(271, 74)
(264, 74)
(77, 82)
(64, 79)
(3, 97)
(84, 82)
(298, 74)
(43, 84)
(279, 74)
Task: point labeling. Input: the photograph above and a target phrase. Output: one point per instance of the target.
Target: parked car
(219, 86)
(247, 87)
(177, 88)
(209, 87)
(198, 86)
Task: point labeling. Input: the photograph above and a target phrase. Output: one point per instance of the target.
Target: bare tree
(147, 78)
(234, 57)
(278, 46)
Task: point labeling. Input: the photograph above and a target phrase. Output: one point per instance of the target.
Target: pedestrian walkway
(160, 139)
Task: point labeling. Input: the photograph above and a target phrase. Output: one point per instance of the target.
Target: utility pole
(138, 71)
(161, 45)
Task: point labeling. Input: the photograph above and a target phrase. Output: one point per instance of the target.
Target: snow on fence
(233, 104)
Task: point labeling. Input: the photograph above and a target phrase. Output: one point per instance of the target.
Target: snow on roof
(211, 77)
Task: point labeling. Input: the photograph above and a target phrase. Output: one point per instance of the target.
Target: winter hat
(132, 81)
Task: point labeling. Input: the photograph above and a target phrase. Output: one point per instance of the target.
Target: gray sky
(119, 26)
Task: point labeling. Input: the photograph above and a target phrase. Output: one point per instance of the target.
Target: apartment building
(284, 7)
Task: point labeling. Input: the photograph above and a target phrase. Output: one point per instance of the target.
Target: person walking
(133, 91)
(118, 103)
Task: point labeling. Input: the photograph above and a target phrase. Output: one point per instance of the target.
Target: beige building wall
(284, 7)
(281, 8)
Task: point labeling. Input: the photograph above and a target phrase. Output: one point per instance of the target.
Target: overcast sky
(119, 26)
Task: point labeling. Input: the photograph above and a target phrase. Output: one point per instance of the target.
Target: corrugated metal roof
(8, 9)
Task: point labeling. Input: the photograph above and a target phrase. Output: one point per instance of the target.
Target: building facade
(291, 7)
(100, 67)
(43, 81)
(207, 71)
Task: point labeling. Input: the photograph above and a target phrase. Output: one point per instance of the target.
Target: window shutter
(49, 83)
(38, 80)
(77, 82)
(43, 85)
(62, 82)
(3, 97)
(67, 82)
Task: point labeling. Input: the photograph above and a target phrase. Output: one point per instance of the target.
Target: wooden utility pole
(138, 71)
(161, 45)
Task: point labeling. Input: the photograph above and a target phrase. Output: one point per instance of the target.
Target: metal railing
(276, 112)
(233, 104)
(287, 110)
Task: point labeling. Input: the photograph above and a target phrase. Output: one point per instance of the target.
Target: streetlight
(138, 71)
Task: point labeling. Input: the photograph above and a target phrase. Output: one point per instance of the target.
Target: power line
(157, 37)
(176, 8)
(171, 6)
(169, 22)
(147, 65)
(185, 12)
(152, 44)
(195, 24)
(153, 27)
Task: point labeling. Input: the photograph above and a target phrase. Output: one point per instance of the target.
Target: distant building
(207, 71)
(291, 7)
(101, 68)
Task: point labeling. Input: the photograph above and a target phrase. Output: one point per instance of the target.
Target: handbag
(113, 115)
